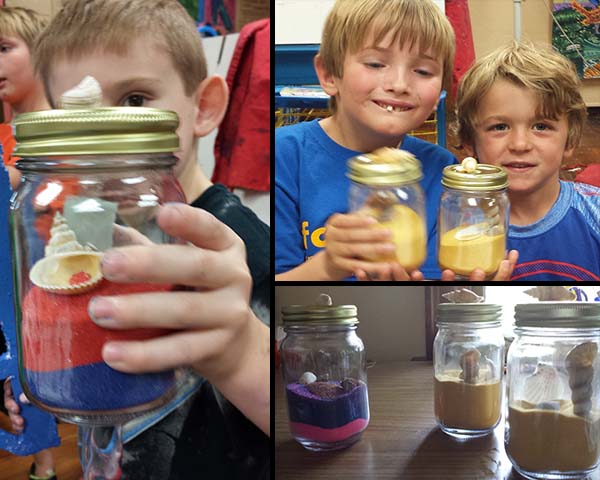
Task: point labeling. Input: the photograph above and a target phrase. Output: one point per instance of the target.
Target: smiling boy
(520, 107)
(383, 63)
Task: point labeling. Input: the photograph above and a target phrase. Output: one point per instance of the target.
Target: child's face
(509, 133)
(388, 90)
(143, 77)
(17, 79)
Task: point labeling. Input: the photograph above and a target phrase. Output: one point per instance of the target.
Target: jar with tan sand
(468, 364)
(324, 371)
(385, 186)
(553, 401)
(473, 218)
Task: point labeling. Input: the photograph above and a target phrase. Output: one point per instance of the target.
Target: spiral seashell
(548, 293)
(67, 268)
(468, 165)
(462, 295)
(87, 94)
(469, 362)
(580, 366)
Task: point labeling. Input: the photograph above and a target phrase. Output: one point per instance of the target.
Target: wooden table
(402, 440)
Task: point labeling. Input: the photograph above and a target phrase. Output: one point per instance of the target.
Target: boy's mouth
(393, 107)
(518, 166)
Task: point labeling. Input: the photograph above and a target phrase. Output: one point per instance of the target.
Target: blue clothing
(565, 244)
(311, 185)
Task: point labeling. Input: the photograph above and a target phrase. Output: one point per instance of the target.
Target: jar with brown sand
(473, 218)
(385, 186)
(553, 405)
(468, 364)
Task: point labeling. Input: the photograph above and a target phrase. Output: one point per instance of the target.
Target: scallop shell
(544, 385)
(53, 273)
(64, 258)
(546, 293)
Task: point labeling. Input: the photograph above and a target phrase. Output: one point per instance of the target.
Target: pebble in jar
(553, 420)
(473, 218)
(324, 371)
(468, 364)
(385, 186)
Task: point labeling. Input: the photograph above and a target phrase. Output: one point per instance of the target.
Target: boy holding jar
(150, 54)
(520, 107)
(383, 63)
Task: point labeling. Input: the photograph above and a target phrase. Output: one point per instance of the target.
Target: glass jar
(385, 186)
(473, 218)
(553, 402)
(324, 373)
(468, 361)
(92, 179)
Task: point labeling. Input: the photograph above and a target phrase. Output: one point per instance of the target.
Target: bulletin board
(301, 21)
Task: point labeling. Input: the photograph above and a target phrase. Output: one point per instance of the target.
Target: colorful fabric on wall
(576, 34)
(457, 12)
(242, 146)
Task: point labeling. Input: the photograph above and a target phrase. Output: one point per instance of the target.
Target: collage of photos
(436, 239)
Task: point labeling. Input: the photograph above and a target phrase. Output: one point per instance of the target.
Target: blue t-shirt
(311, 185)
(565, 244)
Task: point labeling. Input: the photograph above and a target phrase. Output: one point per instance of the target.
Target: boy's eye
(4, 48)
(374, 64)
(424, 73)
(541, 126)
(135, 100)
(500, 127)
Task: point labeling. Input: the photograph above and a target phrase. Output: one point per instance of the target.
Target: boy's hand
(350, 239)
(213, 328)
(14, 411)
(395, 273)
(504, 272)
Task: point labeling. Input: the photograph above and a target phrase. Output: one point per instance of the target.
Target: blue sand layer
(306, 407)
(97, 387)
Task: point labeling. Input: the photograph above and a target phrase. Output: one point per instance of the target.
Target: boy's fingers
(196, 226)
(350, 221)
(448, 276)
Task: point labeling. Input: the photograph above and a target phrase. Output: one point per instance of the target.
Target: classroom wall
(492, 23)
(392, 319)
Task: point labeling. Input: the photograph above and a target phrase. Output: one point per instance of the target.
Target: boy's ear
(212, 98)
(326, 79)
(469, 150)
(568, 155)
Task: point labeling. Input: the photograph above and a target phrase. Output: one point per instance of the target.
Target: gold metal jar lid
(558, 315)
(385, 167)
(323, 313)
(96, 131)
(473, 176)
(468, 312)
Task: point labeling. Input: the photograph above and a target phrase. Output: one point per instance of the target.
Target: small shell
(468, 165)
(579, 363)
(307, 378)
(54, 273)
(544, 385)
(469, 362)
(554, 293)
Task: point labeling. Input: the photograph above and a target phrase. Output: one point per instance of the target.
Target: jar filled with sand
(473, 218)
(385, 186)
(324, 373)
(468, 367)
(553, 401)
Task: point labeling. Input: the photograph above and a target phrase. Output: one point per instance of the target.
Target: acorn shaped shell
(70, 273)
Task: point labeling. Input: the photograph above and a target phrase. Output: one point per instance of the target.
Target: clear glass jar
(553, 390)
(324, 373)
(385, 186)
(473, 218)
(468, 364)
(92, 179)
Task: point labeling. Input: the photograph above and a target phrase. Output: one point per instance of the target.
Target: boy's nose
(396, 80)
(519, 140)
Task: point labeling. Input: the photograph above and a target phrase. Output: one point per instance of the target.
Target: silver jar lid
(468, 312)
(558, 315)
(385, 167)
(322, 313)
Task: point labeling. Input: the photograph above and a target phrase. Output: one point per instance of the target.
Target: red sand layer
(318, 434)
(58, 333)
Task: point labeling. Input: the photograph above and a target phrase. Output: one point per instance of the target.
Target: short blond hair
(22, 22)
(539, 68)
(82, 27)
(418, 23)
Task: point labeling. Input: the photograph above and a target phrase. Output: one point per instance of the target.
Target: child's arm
(349, 238)
(214, 329)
